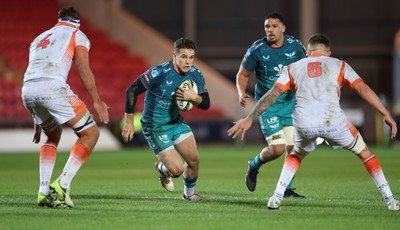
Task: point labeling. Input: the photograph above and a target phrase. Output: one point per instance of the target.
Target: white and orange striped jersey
(52, 52)
(316, 81)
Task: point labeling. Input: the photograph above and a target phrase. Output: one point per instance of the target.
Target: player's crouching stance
(52, 103)
(164, 128)
(316, 80)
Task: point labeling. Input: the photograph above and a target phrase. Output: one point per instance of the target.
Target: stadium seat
(113, 66)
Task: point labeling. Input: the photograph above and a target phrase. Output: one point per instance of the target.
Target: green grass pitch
(120, 190)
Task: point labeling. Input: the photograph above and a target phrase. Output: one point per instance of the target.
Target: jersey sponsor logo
(272, 120)
(154, 73)
(164, 105)
(166, 70)
(274, 126)
(163, 138)
(266, 58)
(147, 78)
(290, 55)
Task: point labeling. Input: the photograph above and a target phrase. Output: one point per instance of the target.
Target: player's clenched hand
(102, 110)
(185, 95)
(243, 99)
(241, 126)
(128, 131)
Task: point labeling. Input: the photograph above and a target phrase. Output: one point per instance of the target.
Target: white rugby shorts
(47, 99)
(337, 136)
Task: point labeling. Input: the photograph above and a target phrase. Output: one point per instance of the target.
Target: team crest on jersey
(290, 55)
(279, 69)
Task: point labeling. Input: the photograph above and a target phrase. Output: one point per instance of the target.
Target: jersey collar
(68, 22)
(317, 54)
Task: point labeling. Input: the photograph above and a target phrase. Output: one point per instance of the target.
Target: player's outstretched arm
(370, 96)
(263, 104)
(85, 73)
(241, 126)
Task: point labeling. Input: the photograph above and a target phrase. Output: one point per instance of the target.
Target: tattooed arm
(263, 104)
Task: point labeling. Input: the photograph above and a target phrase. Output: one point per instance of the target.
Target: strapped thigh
(289, 134)
(277, 138)
(358, 145)
(84, 123)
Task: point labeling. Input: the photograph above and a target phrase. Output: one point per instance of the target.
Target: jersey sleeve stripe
(341, 75)
(69, 53)
(291, 80)
(80, 47)
(356, 82)
(282, 87)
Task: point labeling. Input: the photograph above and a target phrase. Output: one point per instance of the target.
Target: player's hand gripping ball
(186, 105)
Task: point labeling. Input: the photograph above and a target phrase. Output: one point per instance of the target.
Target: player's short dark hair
(318, 38)
(184, 43)
(69, 12)
(275, 16)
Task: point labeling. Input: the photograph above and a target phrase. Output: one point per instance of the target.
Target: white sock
(188, 191)
(46, 166)
(290, 167)
(78, 156)
(163, 169)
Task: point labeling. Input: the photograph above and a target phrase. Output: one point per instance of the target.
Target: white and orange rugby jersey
(316, 81)
(52, 52)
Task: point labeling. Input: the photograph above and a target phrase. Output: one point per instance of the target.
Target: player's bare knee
(193, 161)
(277, 150)
(176, 171)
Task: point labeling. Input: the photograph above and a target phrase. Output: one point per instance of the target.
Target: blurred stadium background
(129, 36)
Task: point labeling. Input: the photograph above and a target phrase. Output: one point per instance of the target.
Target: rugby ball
(186, 105)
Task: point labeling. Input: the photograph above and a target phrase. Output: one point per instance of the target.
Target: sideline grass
(120, 190)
